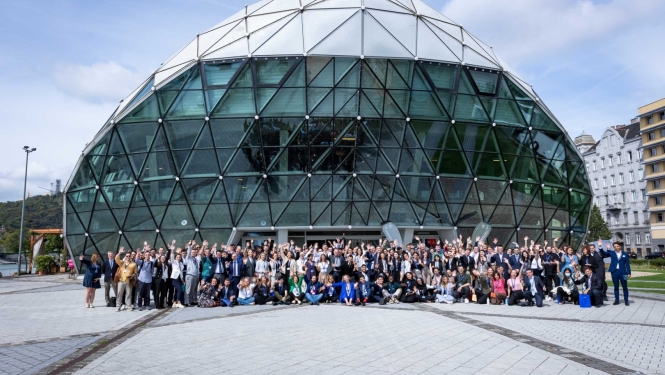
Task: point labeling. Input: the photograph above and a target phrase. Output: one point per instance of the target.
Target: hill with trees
(41, 212)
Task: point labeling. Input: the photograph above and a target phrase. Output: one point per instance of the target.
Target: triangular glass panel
(161, 142)
(276, 210)
(517, 92)
(491, 165)
(367, 106)
(157, 165)
(490, 105)
(287, 102)
(523, 193)
(194, 81)
(394, 79)
(521, 168)
(448, 100)
(263, 95)
(272, 71)
(455, 190)
(453, 163)
(345, 105)
(465, 86)
(533, 217)
(182, 134)
(419, 80)
(254, 216)
(74, 226)
(425, 105)
(396, 129)
(178, 217)
(213, 97)
(359, 193)
(102, 145)
(166, 98)
(486, 82)
(199, 190)
(117, 169)
(137, 137)
(139, 218)
(325, 107)
(148, 110)
(294, 214)
(297, 78)
(84, 176)
(442, 75)
(470, 108)
(189, 104)
(401, 213)
(178, 82)
(360, 214)
(470, 215)
(180, 157)
(236, 103)
(229, 133)
(401, 97)
(404, 68)
(116, 147)
(369, 80)
(244, 78)
(507, 112)
(103, 221)
(105, 242)
(341, 213)
(201, 163)
(526, 106)
(503, 215)
(540, 120)
(316, 65)
(391, 109)
(217, 216)
(241, 189)
(346, 67)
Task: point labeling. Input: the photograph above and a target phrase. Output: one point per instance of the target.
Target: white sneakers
(548, 298)
(466, 300)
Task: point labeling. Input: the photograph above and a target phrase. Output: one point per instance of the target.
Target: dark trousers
(169, 292)
(177, 290)
(563, 296)
(530, 296)
(515, 297)
(616, 279)
(482, 298)
(329, 298)
(596, 297)
(337, 276)
(158, 292)
(234, 281)
(463, 294)
(220, 278)
(144, 294)
(135, 292)
(261, 299)
(408, 298)
(600, 272)
(549, 279)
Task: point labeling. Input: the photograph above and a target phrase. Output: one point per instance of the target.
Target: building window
(587, 167)
(594, 166)
(639, 155)
(659, 200)
(610, 160)
(651, 135)
(625, 218)
(627, 238)
(633, 196)
(621, 180)
(612, 182)
(644, 194)
(653, 151)
(662, 132)
(602, 163)
(662, 116)
(654, 168)
(630, 156)
(647, 238)
(604, 182)
(595, 184)
(607, 201)
(637, 219)
(631, 176)
(623, 200)
(656, 184)
(611, 199)
(638, 239)
(659, 217)
(664, 145)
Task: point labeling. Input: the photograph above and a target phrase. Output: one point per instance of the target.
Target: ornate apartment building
(652, 132)
(619, 187)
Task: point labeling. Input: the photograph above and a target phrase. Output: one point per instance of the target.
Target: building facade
(617, 179)
(652, 131)
(323, 120)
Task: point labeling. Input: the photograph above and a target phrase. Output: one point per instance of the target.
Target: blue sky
(65, 64)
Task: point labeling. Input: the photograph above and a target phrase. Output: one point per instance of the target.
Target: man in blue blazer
(533, 289)
(619, 268)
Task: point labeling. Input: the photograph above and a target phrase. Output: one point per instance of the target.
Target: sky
(66, 64)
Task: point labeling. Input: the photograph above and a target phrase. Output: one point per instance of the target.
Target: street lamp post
(27, 150)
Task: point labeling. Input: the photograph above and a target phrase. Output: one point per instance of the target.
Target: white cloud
(40, 177)
(99, 82)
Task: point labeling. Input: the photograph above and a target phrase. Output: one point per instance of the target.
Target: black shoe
(627, 303)
(383, 302)
(108, 304)
(605, 298)
(275, 303)
(597, 306)
(363, 303)
(311, 303)
(616, 303)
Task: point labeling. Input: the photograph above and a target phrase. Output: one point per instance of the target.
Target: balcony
(617, 206)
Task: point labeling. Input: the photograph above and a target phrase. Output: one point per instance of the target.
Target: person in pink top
(498, 289)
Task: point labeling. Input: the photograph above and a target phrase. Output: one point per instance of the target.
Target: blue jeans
(245, 301)
(314, 298)
(616, 279)
(224, 302)
(177, 289)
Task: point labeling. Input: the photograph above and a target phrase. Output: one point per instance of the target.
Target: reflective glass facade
(329, 142)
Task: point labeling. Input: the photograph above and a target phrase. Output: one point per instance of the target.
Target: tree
(10, 241)
(53, 243)
(597, 226)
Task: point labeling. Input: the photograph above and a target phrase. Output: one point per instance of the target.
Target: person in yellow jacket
(126, 278)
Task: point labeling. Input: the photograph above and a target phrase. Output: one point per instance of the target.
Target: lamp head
(26, 147)
(33, 149)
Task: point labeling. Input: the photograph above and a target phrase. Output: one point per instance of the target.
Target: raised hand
(81, 257)
(495, 241)
(121, 250)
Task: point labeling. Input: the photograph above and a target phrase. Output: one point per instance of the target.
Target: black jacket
(526, 285)
(596, 282)
(108, 271)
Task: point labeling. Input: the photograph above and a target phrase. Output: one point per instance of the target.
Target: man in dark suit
(498, 258)
(109, 269)
(593, 285)
(620, 270)
(227, 294)
(250, 264)
(467, 261)
(235, 269)
(514, 258)
(533, 288)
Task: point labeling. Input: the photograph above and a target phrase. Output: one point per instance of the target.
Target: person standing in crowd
(218, 267)
(619, 269)
(600, 269)
(462, 285)
(482, 285)
(177, 276)
(109, 269)
(159, 281)
(551, 265)
(125, 276)
(192, 275)
(91, 279)
(145, 268)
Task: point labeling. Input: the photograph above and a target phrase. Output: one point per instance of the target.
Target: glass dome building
(296, 119)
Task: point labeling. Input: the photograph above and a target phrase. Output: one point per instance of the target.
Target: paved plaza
(46, 329)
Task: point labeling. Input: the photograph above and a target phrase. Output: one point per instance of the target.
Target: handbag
(474, 298)
(492, 295)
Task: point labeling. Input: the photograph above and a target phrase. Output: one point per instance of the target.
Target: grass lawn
(658, 286)
(659, 277)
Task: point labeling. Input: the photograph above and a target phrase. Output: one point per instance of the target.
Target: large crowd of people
(456, 271)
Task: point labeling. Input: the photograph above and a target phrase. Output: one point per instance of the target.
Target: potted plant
(43, 264)
(64, 255)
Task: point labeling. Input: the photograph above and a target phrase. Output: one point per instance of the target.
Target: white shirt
(618, 253)
(246, 292)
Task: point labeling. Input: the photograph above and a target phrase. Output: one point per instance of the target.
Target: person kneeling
(567, 291)
(363, 291)
(593, 285)
(314, 291)
(227, 294)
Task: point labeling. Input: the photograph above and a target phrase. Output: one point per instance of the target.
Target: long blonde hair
(94, 258)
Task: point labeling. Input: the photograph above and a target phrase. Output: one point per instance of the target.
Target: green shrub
(43, 263)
